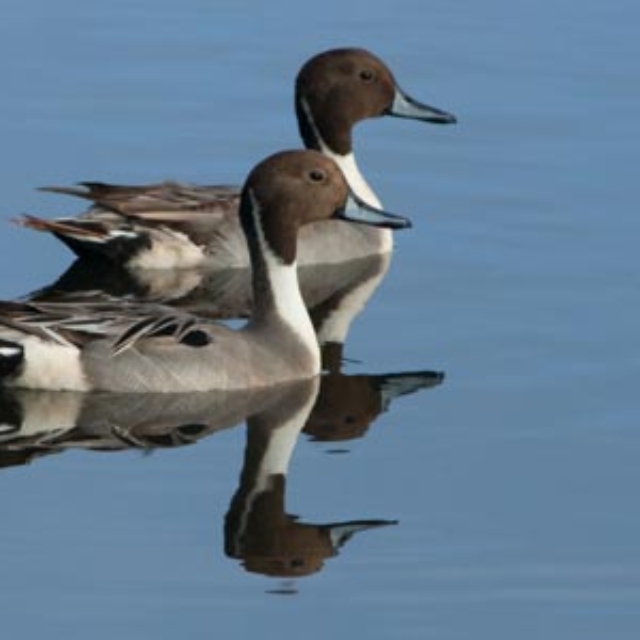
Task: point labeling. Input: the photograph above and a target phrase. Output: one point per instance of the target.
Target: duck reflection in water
(34, 423)
(258, 530)
(348, 405)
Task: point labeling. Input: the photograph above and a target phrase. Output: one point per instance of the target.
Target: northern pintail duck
(174, 225)
(122, 347)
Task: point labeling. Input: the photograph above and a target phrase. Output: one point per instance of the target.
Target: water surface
(513, 483)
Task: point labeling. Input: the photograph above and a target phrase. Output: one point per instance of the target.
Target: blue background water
(515, 482)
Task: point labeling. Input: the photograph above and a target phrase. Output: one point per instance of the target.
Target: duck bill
(341, 532)
(357, 210)
(404, 106)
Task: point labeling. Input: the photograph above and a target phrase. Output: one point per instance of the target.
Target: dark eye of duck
(316, 175)
(367, 75)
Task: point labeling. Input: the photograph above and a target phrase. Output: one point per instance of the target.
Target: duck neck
(277, 301)
(355, 179)
(336, 144)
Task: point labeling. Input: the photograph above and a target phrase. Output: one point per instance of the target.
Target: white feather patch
(9, 352)
(51, 366)
(85, 237)
(172, 250)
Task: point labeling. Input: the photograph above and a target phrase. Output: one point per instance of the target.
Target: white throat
(355, 179)
(361, 188)
(347, 164)
(351, 172)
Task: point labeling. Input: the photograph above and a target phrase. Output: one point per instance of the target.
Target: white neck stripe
(347, 164)
(285, 289)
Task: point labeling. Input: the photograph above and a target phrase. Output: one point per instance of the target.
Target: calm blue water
(515, 482)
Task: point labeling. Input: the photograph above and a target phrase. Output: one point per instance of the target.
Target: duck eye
(367, 75)
(316, 175)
